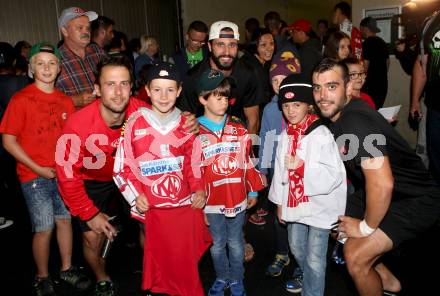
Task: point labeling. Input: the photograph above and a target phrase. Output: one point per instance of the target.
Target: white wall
(399, 82)
(36, 21)
(238, 11)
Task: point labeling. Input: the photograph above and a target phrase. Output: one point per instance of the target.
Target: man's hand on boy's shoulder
(191, 124)
(83, 99)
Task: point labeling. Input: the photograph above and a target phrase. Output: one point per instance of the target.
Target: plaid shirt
(78, 75)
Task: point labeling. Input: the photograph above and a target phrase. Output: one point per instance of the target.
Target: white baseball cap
(214, 32)
(74, 12)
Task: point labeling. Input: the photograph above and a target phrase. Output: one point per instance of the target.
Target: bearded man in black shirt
(395, 197)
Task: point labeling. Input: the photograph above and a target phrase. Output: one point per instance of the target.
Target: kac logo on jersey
(225, 165)
(167, 186)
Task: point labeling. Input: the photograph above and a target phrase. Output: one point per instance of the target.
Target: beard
(117, 109)
(336, 108)
(221, 66)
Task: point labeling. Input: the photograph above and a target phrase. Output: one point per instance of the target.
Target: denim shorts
(44, 203)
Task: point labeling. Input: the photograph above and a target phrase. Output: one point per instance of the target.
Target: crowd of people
(100, 128)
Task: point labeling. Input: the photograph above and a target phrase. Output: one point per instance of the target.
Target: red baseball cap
(301, 25)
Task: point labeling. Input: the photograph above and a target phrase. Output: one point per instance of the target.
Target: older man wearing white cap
(79, 58)
(247, 94)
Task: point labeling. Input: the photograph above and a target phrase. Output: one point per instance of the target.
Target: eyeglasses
(197, 43)
(356, 75)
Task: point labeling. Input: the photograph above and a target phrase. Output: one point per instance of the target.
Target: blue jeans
(44, 203)
(227, 232)
(433, 142)
(309, 246)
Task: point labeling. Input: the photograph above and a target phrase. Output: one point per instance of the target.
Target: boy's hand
(46, 172)
(191, 124)
(281, 221)
(199, 199)
(142, 204)
(251, 201)
(292, 162)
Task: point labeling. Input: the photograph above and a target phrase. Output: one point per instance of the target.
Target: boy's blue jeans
(227, 232)
(44, 203)
(309, 246)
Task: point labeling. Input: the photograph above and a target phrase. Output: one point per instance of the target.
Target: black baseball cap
(163, 71)
(296, 88)
(210, 80)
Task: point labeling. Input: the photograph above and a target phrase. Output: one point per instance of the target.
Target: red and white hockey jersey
(227, 169)
(86, 151)
(155, 157)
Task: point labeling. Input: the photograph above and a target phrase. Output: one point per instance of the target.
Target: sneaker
(262, 212)
(75, 277)
(295, 285)
(257, 220)
(237, 288)
(218, 288)
(105, 288)
(44, 287)
(277, 265)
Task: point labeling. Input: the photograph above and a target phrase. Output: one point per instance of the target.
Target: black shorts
(405, 219)
(105, 196)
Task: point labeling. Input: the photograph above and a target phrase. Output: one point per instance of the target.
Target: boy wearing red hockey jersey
(156, 172)
(231, 181)
(85, 159)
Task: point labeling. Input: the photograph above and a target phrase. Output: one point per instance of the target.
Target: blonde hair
(146, 42)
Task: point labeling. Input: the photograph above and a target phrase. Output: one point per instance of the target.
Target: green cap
(44, 47)
(210, 80)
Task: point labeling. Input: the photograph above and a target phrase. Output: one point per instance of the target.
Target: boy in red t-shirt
(31, 126)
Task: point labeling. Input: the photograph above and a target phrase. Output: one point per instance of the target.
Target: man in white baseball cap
(248, 93)
(231, 30)
(79, 57)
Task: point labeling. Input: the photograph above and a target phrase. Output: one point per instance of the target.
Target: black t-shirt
(411, 178)
(431, 40)
(247, 92)
(310, 56)
(375, 50)
(262, 73)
